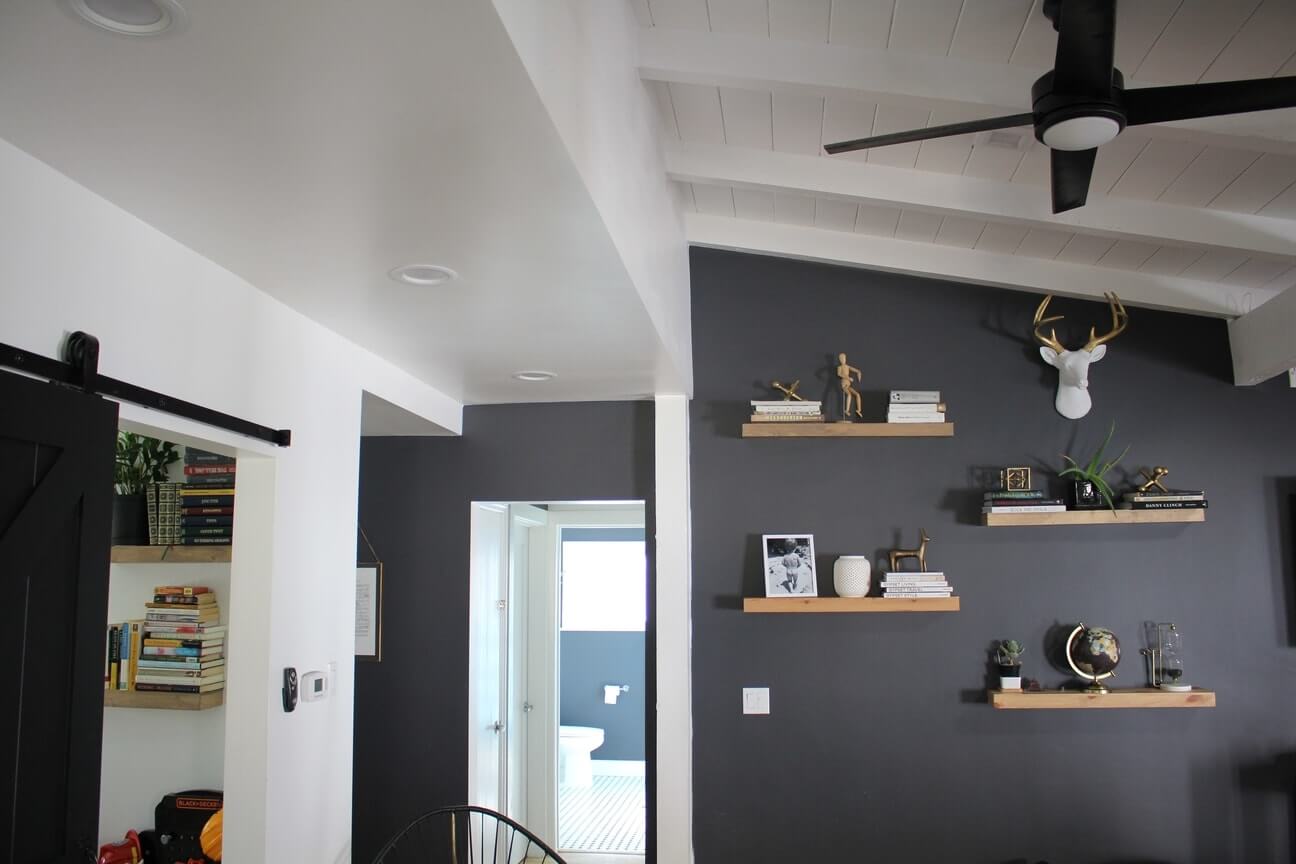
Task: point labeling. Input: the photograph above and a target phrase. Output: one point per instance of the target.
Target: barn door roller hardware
(79, 368)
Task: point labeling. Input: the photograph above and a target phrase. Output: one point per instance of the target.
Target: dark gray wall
(590, 660)
(411, 709)
(880, 743)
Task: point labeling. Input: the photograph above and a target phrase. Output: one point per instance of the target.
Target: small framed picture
(368, 613)
(789, 565)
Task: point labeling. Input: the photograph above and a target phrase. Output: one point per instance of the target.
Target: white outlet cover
(756, 700)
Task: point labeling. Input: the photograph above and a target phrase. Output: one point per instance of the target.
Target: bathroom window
(604, 579)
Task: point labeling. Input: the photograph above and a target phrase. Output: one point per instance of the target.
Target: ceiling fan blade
(1071, 170)
(1186, 101)
(1085, 46)
(930, 132)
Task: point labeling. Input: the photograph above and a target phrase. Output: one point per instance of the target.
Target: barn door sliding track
(79, 368)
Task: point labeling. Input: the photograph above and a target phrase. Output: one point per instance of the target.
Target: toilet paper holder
(612, 691)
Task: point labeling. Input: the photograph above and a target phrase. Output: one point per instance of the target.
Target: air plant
(1096, 468)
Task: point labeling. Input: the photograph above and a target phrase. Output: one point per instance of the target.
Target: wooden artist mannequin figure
(849, 393)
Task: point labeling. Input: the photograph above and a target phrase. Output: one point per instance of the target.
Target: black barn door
(56, 472)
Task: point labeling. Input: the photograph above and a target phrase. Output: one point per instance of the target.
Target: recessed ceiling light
(534, 375)
(423, 274)
(131, 17)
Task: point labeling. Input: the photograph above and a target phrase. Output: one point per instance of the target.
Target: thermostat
(314, 686)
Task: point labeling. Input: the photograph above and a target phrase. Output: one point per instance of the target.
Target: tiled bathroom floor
(605, 817)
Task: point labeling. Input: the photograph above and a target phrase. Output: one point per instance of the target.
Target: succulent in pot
(1008, 654)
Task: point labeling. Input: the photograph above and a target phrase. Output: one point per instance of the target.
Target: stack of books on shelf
(122, 655)
(1021, 501)
(1175, 499)
(182, 649)
(790, 411)
(207, 499)
(915, 406)
(916, 584)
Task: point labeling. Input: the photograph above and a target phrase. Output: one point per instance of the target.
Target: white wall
(171, 320)
(582, 57)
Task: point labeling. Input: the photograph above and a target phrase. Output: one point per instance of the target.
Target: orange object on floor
(211, 835)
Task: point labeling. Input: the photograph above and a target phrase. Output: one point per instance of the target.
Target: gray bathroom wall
(880, 744)
(590, 660)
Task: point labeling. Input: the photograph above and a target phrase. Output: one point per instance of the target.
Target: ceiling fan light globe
(1081, 133)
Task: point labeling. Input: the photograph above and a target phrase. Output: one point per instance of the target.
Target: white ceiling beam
(962, 265)
(881, 185)
(1262, 341)
(929, 81)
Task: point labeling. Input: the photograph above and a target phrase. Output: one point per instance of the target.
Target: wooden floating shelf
(848, 430)
(1140, 697)
(850, 604)
(170, 554)
(1095, 517)
(172, 701)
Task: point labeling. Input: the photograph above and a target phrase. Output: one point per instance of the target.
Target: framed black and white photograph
(789, 565)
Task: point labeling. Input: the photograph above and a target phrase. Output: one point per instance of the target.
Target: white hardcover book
(915, 396)
(790, 405)
(916, 407)
(1047, 508)
(917, 586)
(918, 594)
(932, 418)
(915, 576)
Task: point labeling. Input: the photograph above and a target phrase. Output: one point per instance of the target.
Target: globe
(1093, 652)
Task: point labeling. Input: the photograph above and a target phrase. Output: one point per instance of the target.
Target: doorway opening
(560, 686)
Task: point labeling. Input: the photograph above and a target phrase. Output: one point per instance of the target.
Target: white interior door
(523, 518)
(487, 656)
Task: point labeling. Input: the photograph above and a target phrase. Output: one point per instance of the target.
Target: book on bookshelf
(210, 521)
(1165, 505)
(194, 456)
(1024, 508)
(181, 602)
(914, 576)
(1014, 493)
(205, 541)
(917, 418)
(915, 396)
(198, 498)
(1024, 502)
(209, 481)
(181, 688)
(181, 590)
(1140, 497)
(787, 418)
(210, 468)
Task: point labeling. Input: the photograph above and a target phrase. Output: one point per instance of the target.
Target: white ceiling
(311, 147)
(1198, 215)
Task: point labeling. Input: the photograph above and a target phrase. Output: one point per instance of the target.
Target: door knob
(497, 726)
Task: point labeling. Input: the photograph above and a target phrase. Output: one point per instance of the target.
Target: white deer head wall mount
(1073, 400)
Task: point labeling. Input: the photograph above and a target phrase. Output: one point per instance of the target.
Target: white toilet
(575, 744)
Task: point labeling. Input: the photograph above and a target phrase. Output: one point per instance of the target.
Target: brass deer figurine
(1073, 400)
(920, 553)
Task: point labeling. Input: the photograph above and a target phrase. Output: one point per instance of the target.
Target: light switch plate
(755, 700)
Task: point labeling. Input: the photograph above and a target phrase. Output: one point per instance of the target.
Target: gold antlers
(1050, 340)
(1120, 320)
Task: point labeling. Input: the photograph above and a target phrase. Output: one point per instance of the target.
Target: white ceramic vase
(852, 575)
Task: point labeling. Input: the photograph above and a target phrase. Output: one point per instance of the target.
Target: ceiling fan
(1082, 103)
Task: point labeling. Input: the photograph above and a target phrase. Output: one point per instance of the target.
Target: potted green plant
(140, 461)
(1089, 486)
(1008, 654)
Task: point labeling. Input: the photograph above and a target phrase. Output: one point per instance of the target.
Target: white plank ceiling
(749, 91)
